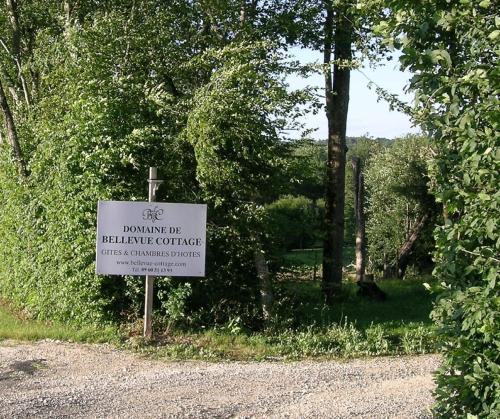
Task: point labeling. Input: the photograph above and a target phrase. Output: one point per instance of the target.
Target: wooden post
(266, 291)
(359, 192)
(148, 304)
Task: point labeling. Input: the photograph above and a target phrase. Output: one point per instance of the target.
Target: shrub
(293, 222)
(453, 48)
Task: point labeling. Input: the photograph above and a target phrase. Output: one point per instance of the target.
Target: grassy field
(407, 302)
(303, 257)
(304, 327)
(351, 328)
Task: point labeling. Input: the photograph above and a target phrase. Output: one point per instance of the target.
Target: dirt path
(49, 379)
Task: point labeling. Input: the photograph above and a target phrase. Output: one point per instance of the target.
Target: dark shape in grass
(369, 289)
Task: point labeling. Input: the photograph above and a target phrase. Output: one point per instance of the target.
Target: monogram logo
(152, 214)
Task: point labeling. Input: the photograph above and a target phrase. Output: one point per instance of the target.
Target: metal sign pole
(148, 304)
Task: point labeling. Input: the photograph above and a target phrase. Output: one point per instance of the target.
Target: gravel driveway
(51, 379)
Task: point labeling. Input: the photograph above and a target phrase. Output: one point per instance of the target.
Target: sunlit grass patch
(15, 327)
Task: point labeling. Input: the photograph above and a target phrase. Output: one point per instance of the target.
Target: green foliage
(237, 122)
(174, 303)
(452, 47)
(308, 329)
(293, 222)
(235, 128)
(99, 148)
(307, 169)
(398, 196)
(229, 288)
(347, 340)
(472, 318)
(119, 89)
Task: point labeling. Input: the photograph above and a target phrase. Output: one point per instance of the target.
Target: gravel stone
(62, 380)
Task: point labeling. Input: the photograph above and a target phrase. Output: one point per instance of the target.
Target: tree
(340, 29)
(307, 169)
(236, 127)
(361, 153)
(365, 149)
(10, 127)
(101, 117)
(401, 211)
(293, 222)
(452, 47)
(337, 103)
(109, 99)
(19, 25)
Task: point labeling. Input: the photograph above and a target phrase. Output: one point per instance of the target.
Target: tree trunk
(11, 132)
(14, 24)
(68, 16)
(405, 250)
(337, 103)
(398, 267)
(15, 51)
(248, 13)
(266, 292)
(71, 14)
(359, 193)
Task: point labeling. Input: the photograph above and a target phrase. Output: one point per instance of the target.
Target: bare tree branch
(15, 52)
(12, 133)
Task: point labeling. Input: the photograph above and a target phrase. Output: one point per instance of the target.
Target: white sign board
(151, 238)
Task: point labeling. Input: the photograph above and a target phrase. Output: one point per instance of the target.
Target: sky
(366, 116)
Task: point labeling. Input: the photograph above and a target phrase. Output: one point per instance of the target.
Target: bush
(103, 115)
(293, 222)
(453, 48)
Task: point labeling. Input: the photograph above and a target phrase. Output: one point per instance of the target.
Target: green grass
(307, 329)
(311, 257)
(341, 341)
(304, 327)
(407, 301)
(13, 327)
(303, 257)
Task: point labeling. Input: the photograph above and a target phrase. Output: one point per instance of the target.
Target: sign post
(150, 279)
(151, 239)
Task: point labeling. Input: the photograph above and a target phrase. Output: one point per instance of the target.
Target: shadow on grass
(304, 328)
(407, 302)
